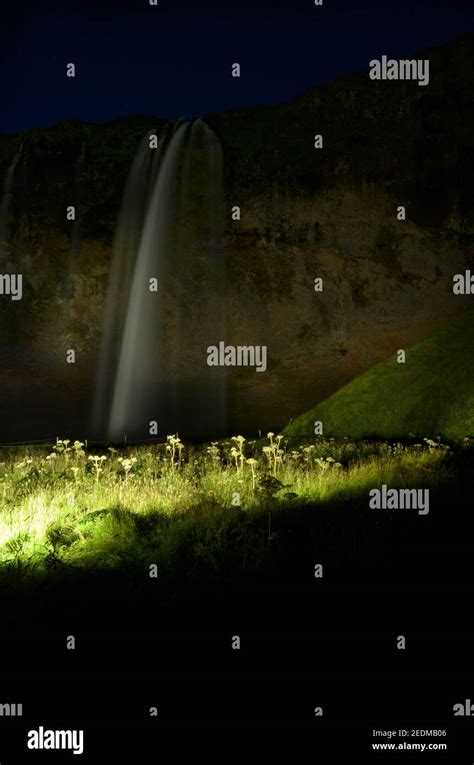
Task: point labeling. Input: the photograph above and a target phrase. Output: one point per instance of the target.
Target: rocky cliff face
(306, 213)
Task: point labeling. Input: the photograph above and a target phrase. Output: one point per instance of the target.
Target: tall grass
(66, 507)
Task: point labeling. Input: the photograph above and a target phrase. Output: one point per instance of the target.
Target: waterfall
(5, 202)
(132, 215)
(153, 357)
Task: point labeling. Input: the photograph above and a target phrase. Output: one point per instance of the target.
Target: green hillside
(431, 394)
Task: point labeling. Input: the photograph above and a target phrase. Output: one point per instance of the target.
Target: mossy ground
(431, 394)
(234, 511)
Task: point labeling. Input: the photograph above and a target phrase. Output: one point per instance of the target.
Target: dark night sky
(175, 60)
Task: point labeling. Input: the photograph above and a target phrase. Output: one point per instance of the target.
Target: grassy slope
(432, 394)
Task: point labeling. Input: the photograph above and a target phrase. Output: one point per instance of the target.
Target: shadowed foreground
(163, 524)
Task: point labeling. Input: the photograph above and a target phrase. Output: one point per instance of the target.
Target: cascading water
(5, 202)
(153, 362)
(131, 219)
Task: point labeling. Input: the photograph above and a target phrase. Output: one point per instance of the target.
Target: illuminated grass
(65, 507)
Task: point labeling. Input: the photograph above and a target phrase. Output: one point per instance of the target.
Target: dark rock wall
(305, 213)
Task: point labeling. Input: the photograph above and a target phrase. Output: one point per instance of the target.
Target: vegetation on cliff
(432, 393)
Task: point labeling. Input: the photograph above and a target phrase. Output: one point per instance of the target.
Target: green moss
(431, 394)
